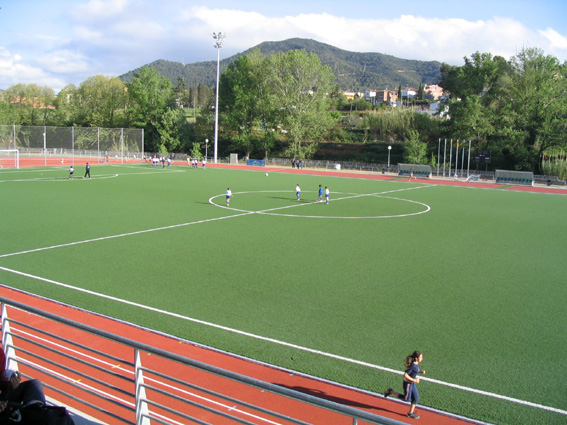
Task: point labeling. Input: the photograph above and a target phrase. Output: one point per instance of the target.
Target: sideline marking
(283, 343)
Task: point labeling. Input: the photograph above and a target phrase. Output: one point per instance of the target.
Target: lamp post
(218, 37)
(206, 147)
(389, 149)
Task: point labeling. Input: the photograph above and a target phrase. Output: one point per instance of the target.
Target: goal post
(9, 158)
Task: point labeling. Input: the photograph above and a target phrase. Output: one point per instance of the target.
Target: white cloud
(409, 36)
(556, 40)
(116, 36)
(63, 62)
(99, 9)
(14, 71)
(83, 32)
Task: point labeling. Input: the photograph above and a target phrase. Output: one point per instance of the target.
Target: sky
(58, 42)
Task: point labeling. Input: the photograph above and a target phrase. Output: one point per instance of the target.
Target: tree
(172, 129)
(421, 92)
(100, 101)
(536, 97)
(8, 115)
(244, 100)
(415, 151)
(31, 104)
(516, 108)
(196, 151)
(299, 86)
(150, 95)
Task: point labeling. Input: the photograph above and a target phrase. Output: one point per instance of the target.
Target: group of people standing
(297, 163)
(195, 162)
(156, 161)
(320, 193)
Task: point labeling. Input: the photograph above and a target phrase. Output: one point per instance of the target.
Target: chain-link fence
(43, 145)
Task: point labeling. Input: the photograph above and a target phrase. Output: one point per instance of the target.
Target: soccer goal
(9, 158)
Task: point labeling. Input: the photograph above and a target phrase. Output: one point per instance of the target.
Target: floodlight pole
(218, 37)
(389, 149)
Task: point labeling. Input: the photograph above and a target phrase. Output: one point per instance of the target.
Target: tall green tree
(245, 103)
(415, 151)
(537, 102)
(100, 101)
(299, 92)
(151, 94)
(515, 108)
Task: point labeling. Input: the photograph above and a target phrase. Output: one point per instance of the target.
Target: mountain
(354, 71)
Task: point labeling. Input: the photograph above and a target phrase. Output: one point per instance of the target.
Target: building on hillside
(387, 97)
(433, 91)
(370, 95)
(409, 92)
(351, 95)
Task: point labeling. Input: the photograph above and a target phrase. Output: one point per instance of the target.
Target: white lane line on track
(283, 343)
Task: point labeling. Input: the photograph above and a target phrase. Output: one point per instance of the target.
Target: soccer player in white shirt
(228, 196)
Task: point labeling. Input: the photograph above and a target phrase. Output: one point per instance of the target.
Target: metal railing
(132, 382)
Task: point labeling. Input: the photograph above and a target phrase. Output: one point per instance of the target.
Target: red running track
(372, 403)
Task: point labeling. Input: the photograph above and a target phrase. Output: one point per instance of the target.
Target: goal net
(9, 158)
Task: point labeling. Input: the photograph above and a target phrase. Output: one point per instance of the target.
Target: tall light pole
(389, 149)
(206, 147)
(218, 37)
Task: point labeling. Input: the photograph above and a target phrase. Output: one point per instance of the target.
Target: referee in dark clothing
(87, 171)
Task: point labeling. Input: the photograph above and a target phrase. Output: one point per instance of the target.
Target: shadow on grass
(287, 198)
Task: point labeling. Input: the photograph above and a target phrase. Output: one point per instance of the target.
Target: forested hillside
(353, 70)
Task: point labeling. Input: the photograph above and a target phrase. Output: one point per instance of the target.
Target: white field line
(270, 211)
(248, 334)
(138, 232)
(282, 343)
(79, 177)
(173, 226)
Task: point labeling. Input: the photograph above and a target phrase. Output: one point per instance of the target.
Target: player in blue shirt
(410, 380)
(320, 198)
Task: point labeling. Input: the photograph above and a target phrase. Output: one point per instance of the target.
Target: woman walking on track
(410, 380)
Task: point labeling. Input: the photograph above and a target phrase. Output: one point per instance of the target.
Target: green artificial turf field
(474, 278)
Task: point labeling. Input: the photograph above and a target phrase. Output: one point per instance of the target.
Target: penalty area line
(281, 343)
